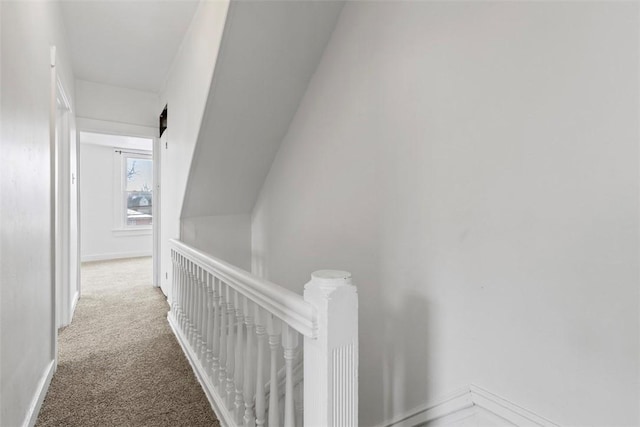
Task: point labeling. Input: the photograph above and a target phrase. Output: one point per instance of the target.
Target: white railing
(242, 335)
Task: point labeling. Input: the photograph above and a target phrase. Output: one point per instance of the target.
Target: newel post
(331, 359)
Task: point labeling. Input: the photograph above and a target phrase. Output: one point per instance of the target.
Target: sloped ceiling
(270, 50)
(126, 43)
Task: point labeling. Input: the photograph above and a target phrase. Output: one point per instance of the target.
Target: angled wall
(185, 93)
(475, 166)
(268, 53)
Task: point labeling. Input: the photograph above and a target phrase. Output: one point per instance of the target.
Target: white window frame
(122, 228)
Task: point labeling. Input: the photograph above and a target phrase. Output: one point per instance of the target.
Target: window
(137, 189)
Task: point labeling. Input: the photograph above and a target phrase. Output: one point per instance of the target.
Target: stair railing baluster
(230, 350)
(184, 302)
(192, 309)
(174, 282)
(260, 336)
(188, 311)
(274, 329)
(239, 361)
(180, 293)
(249, 363)
(208, 360)
(290, 345)
(225, 317)
(215, 363)
(222, 374)
(299, 403)
(203, 316)
(198, 312)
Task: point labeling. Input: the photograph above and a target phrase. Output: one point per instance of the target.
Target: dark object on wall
(163, 120)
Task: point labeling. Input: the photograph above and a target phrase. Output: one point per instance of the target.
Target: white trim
(52, 204)
(63, 204)
(78, 254)
(458, 419)
(217, 403)
(60, 161)
(509, 411)
(156, 224)
(132, 231)
(74, 303)
(64, 98)
(455, 402)
(115, 255)
(288, 306)
(86, 124)
(41, 391)
(121, 208)
(466, 403)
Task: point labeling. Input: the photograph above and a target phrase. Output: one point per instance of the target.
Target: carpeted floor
(119, 363)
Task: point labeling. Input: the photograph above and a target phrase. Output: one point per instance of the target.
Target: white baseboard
(456, 402)
(217, 403)
(115, 255)
(38, 397)
(470, 406)
(74, 303)
(509, 411)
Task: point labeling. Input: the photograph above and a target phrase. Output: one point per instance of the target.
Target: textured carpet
(119, 363)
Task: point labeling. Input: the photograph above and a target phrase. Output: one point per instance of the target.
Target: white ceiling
(126, 43)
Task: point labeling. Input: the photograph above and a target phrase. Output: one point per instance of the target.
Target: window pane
(139, 189)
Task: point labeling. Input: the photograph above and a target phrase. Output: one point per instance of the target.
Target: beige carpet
(119, 363)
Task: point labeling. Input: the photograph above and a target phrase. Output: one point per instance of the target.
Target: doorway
(118, 203)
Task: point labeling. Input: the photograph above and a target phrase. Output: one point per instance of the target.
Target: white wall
(28, 29)
(475, 166)
(226, 236)
(185, 93)
(102, 238)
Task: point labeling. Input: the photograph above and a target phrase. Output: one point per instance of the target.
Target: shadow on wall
(258, 264)
(408, 334)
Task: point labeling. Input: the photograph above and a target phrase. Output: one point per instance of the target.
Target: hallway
(119, 364)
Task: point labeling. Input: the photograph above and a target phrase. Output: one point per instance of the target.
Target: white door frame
(120, 129)
(60, 185)
(64, 295)
(78, 235)
(53, 202)
(157, 149)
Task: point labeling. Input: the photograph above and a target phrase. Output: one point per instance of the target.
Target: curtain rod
(133, 152)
